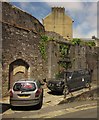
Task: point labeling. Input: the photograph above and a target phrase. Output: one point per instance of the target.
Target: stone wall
(21, 19)
(20, 46)
(81, 56)
(21, 56)
(0, 51)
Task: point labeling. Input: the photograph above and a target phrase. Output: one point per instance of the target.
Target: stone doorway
(18, 69)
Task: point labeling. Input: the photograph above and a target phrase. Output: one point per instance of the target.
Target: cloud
(79, 32)
(53, 0)
(84, 14)
(68, 5)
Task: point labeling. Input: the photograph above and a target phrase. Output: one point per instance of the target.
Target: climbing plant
(42, 46)
(76, 41)
(63, 50)
(65, 65)
(91, 43)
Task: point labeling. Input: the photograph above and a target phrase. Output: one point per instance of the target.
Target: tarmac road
(88, 113)
(84, 109)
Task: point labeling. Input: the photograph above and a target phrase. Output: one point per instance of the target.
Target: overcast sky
(83, 13)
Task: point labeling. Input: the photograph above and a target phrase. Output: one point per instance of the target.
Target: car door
(77, 80)
(82, 78)
(73, 81)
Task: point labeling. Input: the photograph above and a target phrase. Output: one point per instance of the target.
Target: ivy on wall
(64, 51)
(42, 47)
(43, 43)
(91, 43)
(78, 41)
(65, 65)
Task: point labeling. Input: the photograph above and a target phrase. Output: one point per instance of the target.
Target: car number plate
(23, 96)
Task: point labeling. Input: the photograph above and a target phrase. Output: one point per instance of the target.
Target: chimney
(58, 9)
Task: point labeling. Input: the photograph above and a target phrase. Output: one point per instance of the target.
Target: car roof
(25, 80)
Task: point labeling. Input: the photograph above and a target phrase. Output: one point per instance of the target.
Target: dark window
(76, 74)
(24, 87)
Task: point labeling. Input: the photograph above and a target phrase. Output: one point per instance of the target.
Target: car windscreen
(69, 74)
(61, 75)
(24, 87)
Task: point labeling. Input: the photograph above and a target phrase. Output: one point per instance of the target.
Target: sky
(84, 14)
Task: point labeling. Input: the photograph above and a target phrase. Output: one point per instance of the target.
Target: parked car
(74, 80)
(26, 93)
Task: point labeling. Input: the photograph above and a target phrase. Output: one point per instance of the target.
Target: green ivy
(42, 47)
(76, 41)
(65, 65)
(64, 50)
(91, 43)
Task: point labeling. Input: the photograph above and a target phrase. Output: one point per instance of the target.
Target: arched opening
(17, 70)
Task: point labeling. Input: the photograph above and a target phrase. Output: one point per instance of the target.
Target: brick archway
(17, 70)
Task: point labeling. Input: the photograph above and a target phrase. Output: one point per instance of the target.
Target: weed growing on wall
(76, 41)
(42, 47)
(91, 43)
(64, 51)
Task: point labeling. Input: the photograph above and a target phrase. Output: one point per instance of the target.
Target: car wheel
(65, 90)
(87, 85)
(40, 103)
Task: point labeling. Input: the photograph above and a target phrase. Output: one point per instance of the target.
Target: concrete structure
(59, 22)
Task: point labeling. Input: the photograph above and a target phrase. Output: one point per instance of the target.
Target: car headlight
(59, 84)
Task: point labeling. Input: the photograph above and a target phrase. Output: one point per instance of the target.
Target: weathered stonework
(20, 46)
(81, 56)
(21, 55)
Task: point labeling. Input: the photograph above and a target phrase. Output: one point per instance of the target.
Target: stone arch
(18, 69)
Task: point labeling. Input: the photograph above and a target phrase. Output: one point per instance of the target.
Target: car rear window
(24, 87)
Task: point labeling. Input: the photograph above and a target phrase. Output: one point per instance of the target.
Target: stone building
(59, 22)
(21, 56)
(80, 56)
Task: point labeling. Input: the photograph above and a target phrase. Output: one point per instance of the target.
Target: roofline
(13, 6)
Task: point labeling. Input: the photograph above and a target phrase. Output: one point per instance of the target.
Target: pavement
(49, 96)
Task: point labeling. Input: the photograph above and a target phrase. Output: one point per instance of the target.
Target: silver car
(26, 93)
